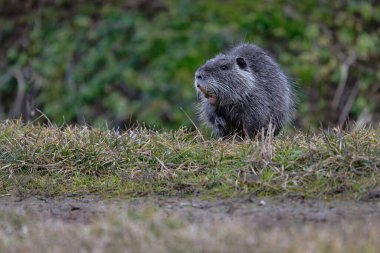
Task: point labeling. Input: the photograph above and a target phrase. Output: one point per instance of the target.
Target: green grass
(37, 159)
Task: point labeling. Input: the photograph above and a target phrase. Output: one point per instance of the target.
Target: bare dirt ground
(90, 223)
(266, 212)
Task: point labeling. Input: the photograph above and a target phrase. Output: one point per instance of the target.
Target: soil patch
(267, 212)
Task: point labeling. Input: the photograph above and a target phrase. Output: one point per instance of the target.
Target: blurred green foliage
(133, 61)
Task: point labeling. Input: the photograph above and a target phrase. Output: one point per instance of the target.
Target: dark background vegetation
(123, 62)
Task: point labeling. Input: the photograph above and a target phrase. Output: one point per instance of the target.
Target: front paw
(219, 122)
(220, 129)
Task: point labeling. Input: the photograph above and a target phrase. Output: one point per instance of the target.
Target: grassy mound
(36, 159)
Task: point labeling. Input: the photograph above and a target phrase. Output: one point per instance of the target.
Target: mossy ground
(52, 160)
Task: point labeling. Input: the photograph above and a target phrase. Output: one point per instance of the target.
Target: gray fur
(243, 96)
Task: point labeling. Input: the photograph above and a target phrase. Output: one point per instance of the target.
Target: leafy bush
(134, 61)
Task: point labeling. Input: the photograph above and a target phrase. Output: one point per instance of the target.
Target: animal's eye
(224, 67)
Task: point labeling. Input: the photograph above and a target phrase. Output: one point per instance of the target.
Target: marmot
(243, 92)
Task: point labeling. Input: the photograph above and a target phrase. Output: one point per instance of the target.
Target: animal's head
(224, 79)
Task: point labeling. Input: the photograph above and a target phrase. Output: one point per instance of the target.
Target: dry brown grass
(150, 231)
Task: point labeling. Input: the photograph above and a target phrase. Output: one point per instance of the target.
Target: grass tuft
(71, 159)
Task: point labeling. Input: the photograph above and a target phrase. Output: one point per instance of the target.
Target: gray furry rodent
(242, 92)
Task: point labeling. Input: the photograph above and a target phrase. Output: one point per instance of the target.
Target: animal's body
(243, 92)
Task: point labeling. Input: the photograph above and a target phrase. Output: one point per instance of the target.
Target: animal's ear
(241, 62)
